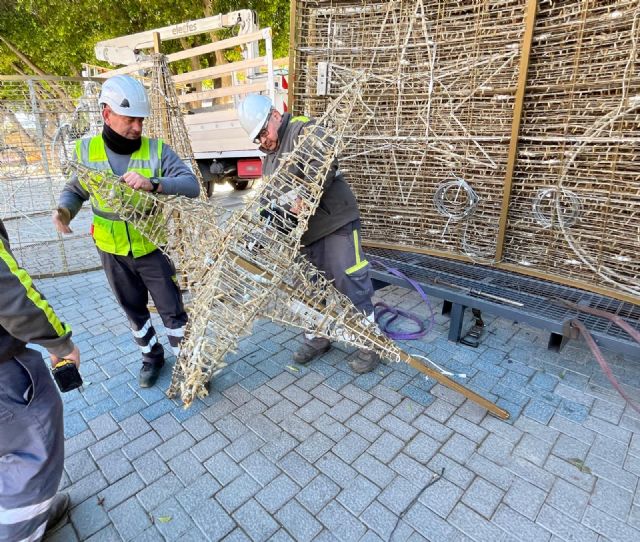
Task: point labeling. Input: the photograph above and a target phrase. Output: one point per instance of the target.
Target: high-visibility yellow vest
(110, 233)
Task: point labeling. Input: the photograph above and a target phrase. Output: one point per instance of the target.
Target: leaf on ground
(579, 464)
(165, 519)
(292, 368)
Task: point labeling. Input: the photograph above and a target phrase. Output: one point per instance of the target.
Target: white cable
(443, 371)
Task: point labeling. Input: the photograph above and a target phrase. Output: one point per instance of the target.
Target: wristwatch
(155, 184)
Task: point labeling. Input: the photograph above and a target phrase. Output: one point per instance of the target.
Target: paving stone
(260, 468)
(277, 492)
(302, 525)
(495, 449)
(358, 494)
(611, 450)
(385, 394)
(525, 498)
(386, 447)
(611, 499)
(267, 396)
(211, 445)
(531, 473)
(397, 427)
(512, 522)
(186, 467)
(166, 426)
(533, 449)
(452, 471)
(315, 447)
(103, 425)
(340, 523)
(244, 446)
(336, 469)
(364, 427)
(540, 411)
(569, 499)
(502, 429)
(298, 468)
(86, 487)
(108, 444)
(536, 429)
(88, 518)
(491, 472)
(422, 447)
(218, 410)
(135, 426)
(264, 427)
(296, 395)
(330, 427)
(459, 448)
(79, 465)
(356, 394)
(255, 521)
(235, 494)
(569, 448)
(129, 519)
(114, 494)
(380, 520)
(159, 491)
(350, 447)
(603, 469)
(223, 468)
(374, 470)
(312, 410)
(610, 528)
(281, 410)
(78, 442)
(429, 524)
(107, 534)
(412, 470)
(399, 494)
(278, 448)
(326, 395)
(441, 496)
(179, 524)
(434, 429)
(466, 428)
(66, 533)
(343, 410)
(376, 409)
(473, 525)
(570, 472)
(482, 497)
(608, 430)
(114, 466)
(409, 409)
(231, 427)
(197, 493)
(572, 429)
(141, 445)
(297, 428)
(564, 527)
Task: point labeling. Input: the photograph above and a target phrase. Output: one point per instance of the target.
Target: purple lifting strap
(390, 314)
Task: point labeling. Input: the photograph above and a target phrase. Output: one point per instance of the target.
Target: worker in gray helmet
(31, 428)
(134, 266)
(332, 239)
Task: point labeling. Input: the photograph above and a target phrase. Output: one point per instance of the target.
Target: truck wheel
(242, 184)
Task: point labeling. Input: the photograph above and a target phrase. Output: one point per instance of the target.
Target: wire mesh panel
(39, 120)
(429, 144)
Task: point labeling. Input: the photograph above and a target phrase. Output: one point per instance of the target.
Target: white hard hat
(126, 96)
(253, 113)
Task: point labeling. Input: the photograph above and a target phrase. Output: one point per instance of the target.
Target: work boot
(57, 512)
(311, 349)
(364, 362)
(148, 375)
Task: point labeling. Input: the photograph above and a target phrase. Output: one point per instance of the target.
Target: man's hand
(74, 356)
(61, 218)
(137, 181)
(297, 207)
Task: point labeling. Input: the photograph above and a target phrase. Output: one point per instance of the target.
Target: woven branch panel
(428, 145)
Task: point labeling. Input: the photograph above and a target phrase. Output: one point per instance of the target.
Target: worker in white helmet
(134, 266)
(332, 239)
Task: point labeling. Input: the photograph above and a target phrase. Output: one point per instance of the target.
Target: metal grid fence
(39, 120)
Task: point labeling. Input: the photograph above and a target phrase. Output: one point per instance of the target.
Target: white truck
(220, 145)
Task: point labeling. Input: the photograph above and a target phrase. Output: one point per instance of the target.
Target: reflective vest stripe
(35, 297)
(359, 263)
(300, 118)
(36, 535)
(9, 516)
(111, 234)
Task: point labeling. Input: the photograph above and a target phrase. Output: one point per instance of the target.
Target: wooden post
(291, 76)
(530, 22)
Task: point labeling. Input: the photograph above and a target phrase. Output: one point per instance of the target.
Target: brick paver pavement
(318, 453)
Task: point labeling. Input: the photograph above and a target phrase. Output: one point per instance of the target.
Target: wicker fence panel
(430, 141)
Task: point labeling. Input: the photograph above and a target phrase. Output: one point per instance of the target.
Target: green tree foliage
(59, 35)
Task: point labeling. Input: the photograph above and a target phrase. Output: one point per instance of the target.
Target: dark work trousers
(31, 446)
(132, 280)
(339, 255)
